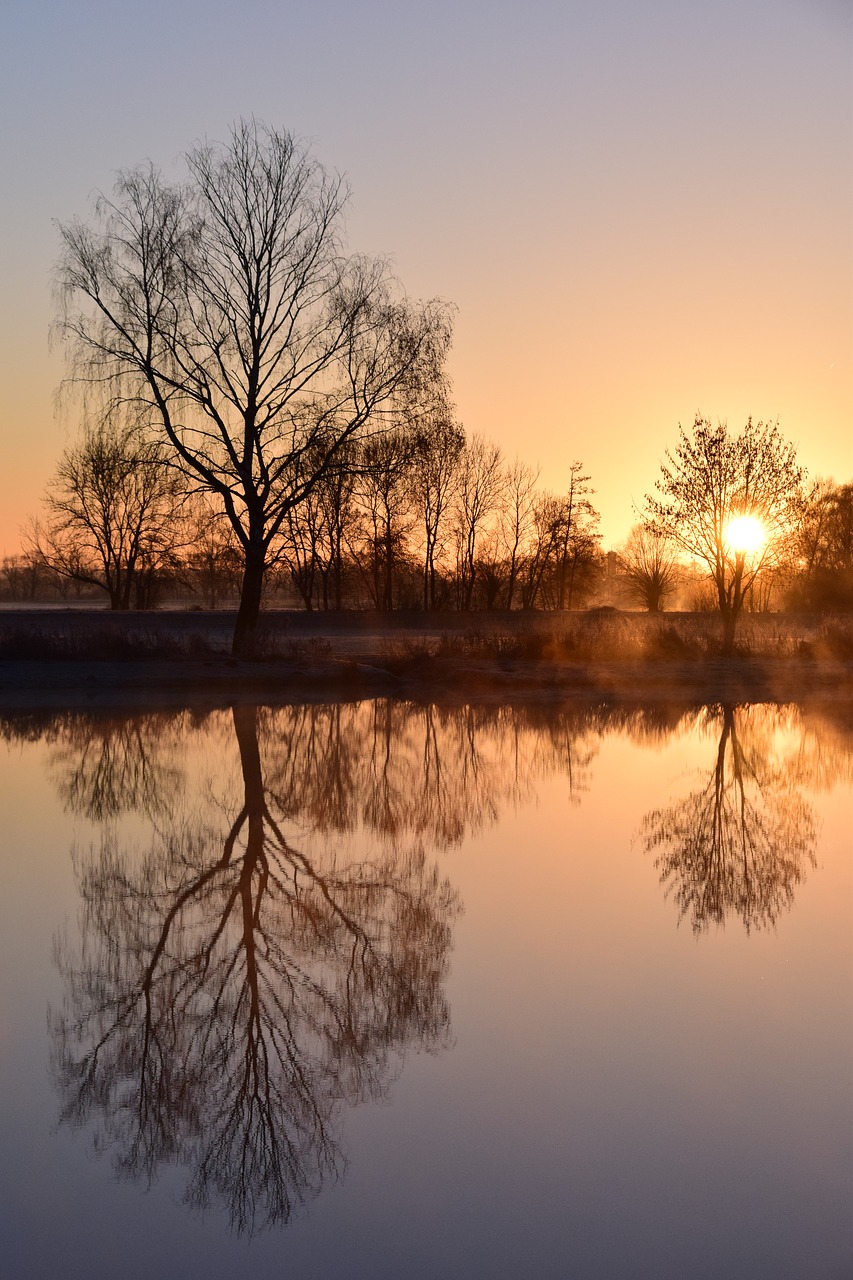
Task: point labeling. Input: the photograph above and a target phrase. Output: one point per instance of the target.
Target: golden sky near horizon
(641, 210)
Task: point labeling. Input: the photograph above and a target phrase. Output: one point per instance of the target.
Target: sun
(745, 534)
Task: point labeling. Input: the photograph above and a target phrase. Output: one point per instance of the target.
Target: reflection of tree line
(247, 975)
(391, 768)
(737, 845)
(397, 769)
(401, 770)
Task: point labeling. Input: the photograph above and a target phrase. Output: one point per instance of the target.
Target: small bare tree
(481, 483)
(649, 567)
(574, 537)
(384, 497)
(299, 546)
(336, 496)
(112, 514)
(24, 575)
(439, 443)
(823, 565)
(714, 477)
(517, 520)
(212, 562)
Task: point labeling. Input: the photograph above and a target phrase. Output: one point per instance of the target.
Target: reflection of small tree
(234, 991)
(108, 767)
(738, 845)
(649, 568)
(107, 774)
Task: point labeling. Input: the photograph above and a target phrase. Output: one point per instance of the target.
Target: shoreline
(134, 684)
(66, 660)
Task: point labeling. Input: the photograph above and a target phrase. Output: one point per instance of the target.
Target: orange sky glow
(642, 211)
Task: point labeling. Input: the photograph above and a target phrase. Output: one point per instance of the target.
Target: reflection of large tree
(233, 990)
(741, 842)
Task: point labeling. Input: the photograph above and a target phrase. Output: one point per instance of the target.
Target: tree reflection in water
(232, 993)
(741, 843)
(272, 953)
(115, 765)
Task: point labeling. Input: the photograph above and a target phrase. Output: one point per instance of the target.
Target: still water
(383, 990)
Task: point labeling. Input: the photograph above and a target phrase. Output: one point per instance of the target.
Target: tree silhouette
(225, 310)
(113, 514)
(649, 568)
(739, 844)
(713, 476)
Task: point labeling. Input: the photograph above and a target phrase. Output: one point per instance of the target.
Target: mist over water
(381, 988)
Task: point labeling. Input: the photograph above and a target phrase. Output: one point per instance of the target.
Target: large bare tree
(225, 309)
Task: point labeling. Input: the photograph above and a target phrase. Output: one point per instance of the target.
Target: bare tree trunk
(388, 593)
(513, 572)
(729, 631)
(250, 599)
(731, 604)
(429, 572)
(338, 571)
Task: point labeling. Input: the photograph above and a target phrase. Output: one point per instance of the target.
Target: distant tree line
(417, 518)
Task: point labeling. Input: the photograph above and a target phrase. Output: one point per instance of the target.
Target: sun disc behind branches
(746, 534)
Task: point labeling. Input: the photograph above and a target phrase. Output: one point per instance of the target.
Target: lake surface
(383, 990)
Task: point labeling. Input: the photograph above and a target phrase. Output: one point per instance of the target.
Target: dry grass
(40, 642)
(615, 637)
(595, 636)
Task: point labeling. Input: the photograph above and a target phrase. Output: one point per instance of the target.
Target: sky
(642, 209)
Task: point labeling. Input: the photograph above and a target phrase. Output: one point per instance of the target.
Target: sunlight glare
(746, 534)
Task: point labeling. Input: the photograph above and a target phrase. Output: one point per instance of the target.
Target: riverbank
(62, 659)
